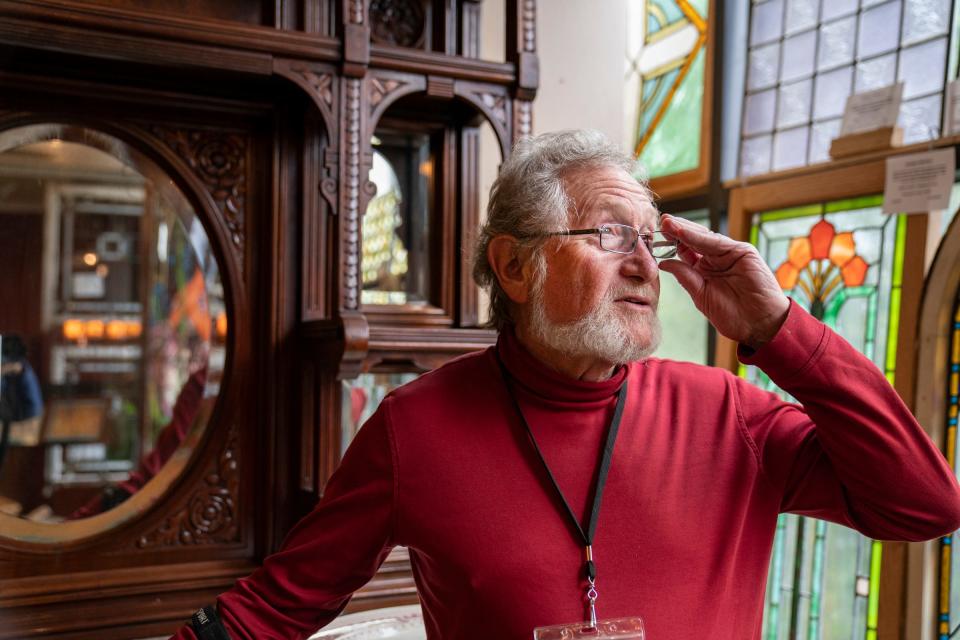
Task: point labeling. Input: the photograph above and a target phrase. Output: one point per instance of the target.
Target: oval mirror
(113, 328)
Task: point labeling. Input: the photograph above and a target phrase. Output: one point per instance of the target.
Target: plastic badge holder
(619, 628)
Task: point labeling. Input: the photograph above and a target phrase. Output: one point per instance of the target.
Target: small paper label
(872, 110)
(919, 182)
(951, 112)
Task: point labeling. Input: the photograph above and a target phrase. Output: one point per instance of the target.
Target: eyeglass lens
(623, 239)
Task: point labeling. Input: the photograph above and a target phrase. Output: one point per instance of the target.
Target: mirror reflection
(396, 225)
(113, 322)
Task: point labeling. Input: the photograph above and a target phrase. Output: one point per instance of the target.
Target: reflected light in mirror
(125, 320)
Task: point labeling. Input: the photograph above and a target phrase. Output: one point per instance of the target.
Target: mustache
(644, 292)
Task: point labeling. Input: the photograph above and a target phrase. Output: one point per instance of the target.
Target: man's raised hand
(728, 282)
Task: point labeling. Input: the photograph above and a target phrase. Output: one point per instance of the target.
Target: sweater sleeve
(852, 453)
(328, 555)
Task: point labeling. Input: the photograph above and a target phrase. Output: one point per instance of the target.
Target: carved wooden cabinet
(267, 117)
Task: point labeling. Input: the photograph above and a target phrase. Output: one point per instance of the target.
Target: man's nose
(640, 264)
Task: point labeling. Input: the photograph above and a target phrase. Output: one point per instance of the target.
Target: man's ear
(503, 254)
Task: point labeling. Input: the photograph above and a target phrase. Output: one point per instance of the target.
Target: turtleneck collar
(544, 381)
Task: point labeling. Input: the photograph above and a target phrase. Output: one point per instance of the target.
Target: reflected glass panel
(821, 135)
(798, 56)
(836, 43)
(396, 225)
(920, 119)
(759, 112)
(755, 155)
(879, 30)
(764, 66)
(801, 14)
(113, 354)
(922, 68)
(361, 397)
(876, 73)
(790, 148)
(793, 105)
(835, 8)
(924, 19)
(831, 93)
(766, 21)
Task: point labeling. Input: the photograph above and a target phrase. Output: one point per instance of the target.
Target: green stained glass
(842, 261)
(666, 56)
(686, 338)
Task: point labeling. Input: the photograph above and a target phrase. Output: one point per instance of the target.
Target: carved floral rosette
(210, 514)
(219, 160)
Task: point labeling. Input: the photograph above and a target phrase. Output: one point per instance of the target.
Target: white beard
(602, 333)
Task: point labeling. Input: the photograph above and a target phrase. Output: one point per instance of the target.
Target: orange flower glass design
(807, 255)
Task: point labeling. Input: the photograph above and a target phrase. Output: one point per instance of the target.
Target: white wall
(581, 45)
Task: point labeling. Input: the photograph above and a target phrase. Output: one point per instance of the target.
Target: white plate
(397, 623)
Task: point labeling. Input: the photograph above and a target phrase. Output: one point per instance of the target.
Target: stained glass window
(842, 261)
(948, 602)
(805, 58)
(666, 56)
(685, 329)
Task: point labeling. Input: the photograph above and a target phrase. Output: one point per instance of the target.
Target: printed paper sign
(919, 182)
(872, 110)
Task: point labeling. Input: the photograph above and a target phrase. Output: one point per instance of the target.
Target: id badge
(620, 628)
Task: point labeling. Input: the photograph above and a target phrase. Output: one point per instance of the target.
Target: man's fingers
(688, 255)
(686, 275)
(697, 237)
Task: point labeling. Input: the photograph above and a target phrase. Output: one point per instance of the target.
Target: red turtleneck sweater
(703, 464)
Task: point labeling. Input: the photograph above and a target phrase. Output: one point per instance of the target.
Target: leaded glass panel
(842, 261)
(841, 46)
(793, 105)
(790, 148)
(666, 56)
(948, 607)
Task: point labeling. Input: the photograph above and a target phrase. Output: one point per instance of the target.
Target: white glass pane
(879, 30)
(764, 66)
(766, 21)
(821, 135)
(835, 8)
(920, 119)
(798, 55)
(876, 73)
(869, 3)
(923, 19)
(793, 106)
(830, 93)
(758, 112)
(836, 43)
(922, 68)
(801, 14)
(790, 148)
(755, 155)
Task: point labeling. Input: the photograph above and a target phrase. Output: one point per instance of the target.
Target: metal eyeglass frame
(651, 240)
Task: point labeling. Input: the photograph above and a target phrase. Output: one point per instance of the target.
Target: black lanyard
(589, 567)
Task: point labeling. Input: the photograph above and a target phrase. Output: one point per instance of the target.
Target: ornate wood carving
(529, 25)
(440, 87)
(494, 103)
(210, 515)
(318, 82)
(219, 160)
(354, 10)
(351, 196)
(397, 22)
(380, 88)
(522, 119)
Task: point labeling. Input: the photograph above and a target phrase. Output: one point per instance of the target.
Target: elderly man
(492, 468)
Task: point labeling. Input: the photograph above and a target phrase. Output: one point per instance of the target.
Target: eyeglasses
(621, 238)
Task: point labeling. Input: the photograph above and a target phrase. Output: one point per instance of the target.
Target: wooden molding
(857, 144)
